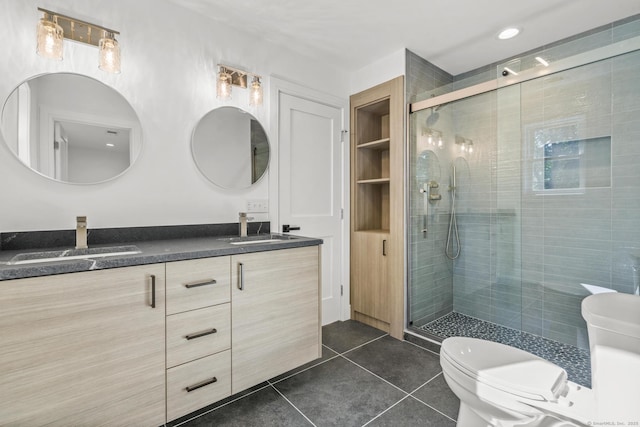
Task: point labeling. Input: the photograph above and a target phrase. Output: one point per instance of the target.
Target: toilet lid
(505, 368)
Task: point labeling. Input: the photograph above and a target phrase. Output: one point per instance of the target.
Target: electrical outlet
(258, 206)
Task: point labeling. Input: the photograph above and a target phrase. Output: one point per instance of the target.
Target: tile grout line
(303, 370)
(294, 406)
(386, 410)
(425, 349)
(361, 345)
(425, 403)
(223, 405)
(374, 374)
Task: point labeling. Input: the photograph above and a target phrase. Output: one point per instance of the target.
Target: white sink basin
(72, 254)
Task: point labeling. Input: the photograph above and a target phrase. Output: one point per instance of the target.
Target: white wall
(169, 58)
(384, 69)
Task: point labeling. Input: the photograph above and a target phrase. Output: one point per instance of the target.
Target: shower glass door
(477, 172)
(546, 200)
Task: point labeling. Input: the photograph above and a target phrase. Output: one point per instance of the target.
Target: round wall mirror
(71, 128)
(230, 148)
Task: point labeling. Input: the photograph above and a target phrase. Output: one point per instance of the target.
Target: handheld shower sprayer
(453, 222)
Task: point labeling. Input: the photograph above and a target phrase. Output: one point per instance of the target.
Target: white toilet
(500, 385)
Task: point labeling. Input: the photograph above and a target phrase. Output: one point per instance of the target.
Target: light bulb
(50, 36)
(463, 147)
(109, 54)
(223, 87)
(430, 140)
(470, 149)
(440, 143)
(255, 94)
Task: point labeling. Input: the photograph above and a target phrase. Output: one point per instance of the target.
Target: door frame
(277, 86)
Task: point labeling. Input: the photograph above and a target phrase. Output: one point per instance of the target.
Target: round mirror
(71, 128)
(230, 148)
(427, 167)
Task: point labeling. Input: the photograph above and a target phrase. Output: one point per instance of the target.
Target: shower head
(434, 116)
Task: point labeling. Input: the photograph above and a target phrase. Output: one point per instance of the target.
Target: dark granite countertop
(151, 252)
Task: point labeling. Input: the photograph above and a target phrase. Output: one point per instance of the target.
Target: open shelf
(374, 181)
(380, 144)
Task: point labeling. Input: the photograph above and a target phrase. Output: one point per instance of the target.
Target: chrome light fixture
(49, 36)
(54, 27)
(229, 77)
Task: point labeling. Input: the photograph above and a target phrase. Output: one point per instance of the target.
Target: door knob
(287, 228)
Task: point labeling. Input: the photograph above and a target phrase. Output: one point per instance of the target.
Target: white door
(311, 183)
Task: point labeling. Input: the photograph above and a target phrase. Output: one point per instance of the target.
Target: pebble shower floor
(575, 361)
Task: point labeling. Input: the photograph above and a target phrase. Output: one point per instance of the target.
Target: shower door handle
(384, 247)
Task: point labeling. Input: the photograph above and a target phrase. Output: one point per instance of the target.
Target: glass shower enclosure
(524, 199)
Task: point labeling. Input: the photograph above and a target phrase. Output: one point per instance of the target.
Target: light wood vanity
(145, 345)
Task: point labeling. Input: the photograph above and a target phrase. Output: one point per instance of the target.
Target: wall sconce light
(229, 77)
(49, 37)
(255, 93)
(434, 137)
(466, 144)
(53, 27)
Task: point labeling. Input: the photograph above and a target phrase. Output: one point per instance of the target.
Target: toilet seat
(513, 382)
(506, 368)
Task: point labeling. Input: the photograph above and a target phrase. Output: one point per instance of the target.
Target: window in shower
(561, 163)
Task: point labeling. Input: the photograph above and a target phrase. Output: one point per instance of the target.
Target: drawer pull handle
(240, 276)
(202, 384)
(201, 334)
(195, 285)
(153, 291)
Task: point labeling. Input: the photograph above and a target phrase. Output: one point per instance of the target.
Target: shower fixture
(430, 191)
(453, 222)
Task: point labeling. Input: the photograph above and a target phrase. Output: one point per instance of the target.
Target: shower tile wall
(430, 275)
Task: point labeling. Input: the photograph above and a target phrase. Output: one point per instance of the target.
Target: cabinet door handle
(201, 334)
(201, 384)
(153, 291)
(240, 276)
(198, 284)
(384, 247)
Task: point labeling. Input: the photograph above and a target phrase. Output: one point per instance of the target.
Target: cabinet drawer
(198, 376)
(198, 333)
(197, 283)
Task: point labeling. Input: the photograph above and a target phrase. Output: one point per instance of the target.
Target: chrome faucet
(81, 232)
(243, 223)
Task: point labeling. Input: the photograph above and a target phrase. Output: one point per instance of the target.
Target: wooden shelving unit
(377, 182)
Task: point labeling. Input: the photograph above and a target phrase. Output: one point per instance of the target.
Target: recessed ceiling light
(110, 144)
(508, 33)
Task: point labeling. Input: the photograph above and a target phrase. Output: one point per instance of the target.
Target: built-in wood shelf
(374, 181)
(380, 144)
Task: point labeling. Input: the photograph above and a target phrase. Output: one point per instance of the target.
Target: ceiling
(455, 35)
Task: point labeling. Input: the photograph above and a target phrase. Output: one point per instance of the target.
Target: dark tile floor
(364, 377)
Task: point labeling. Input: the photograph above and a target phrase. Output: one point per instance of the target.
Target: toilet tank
(613, 324)
(613, 320)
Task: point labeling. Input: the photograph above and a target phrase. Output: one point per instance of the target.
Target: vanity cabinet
(198, 334)
(275, 313)
(84, 349)
(148, 344)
